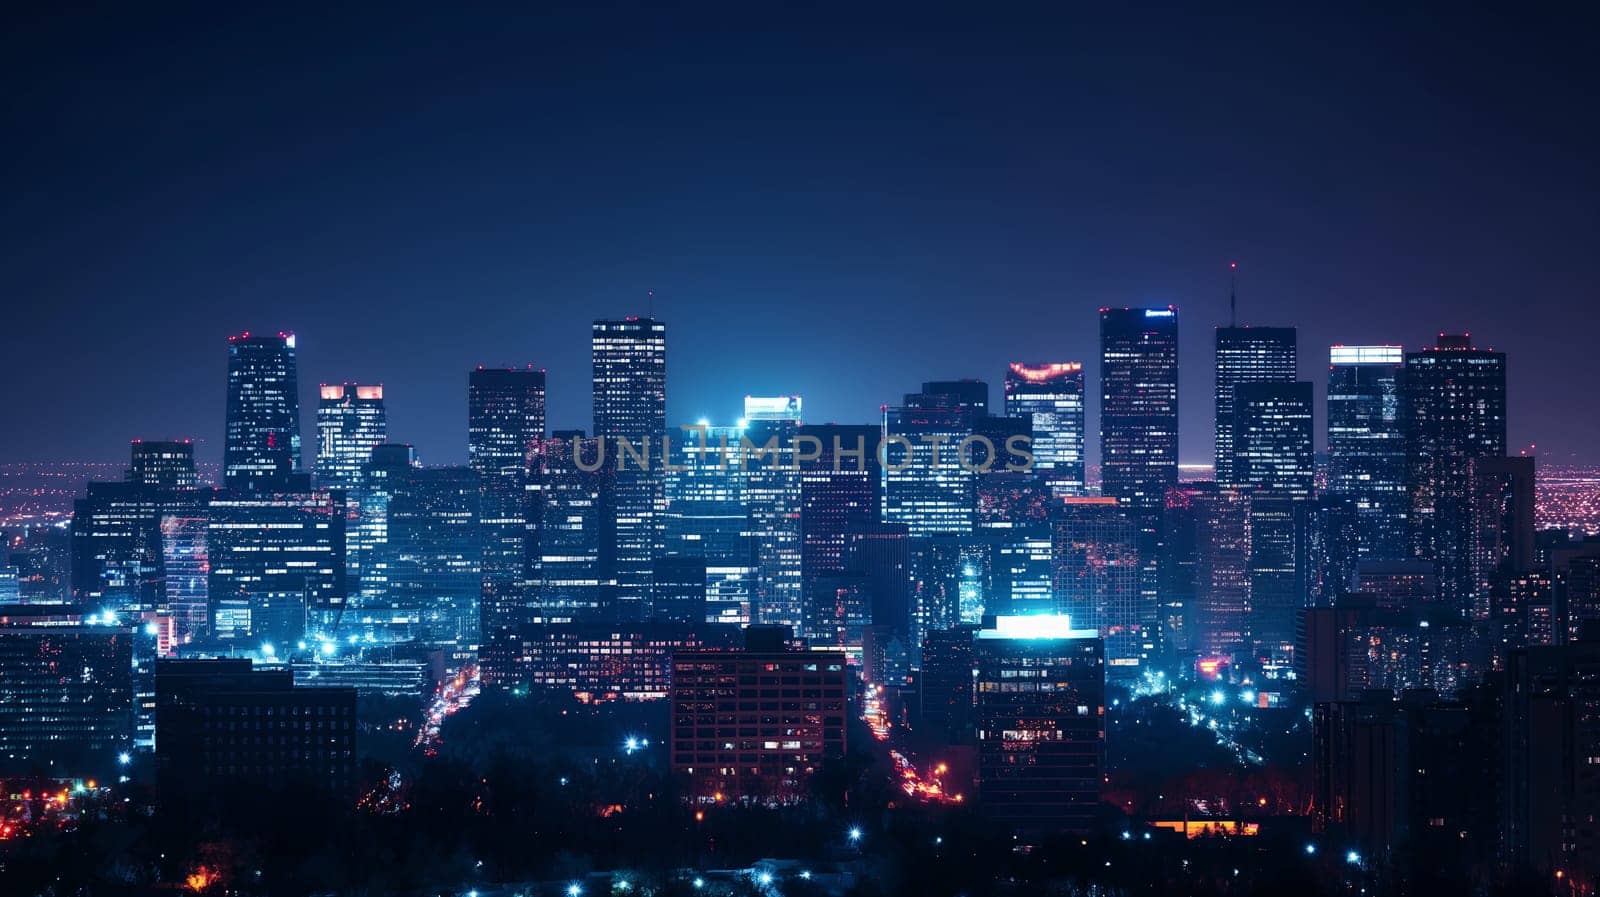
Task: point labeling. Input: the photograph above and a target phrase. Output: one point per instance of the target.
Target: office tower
(225, 730)
(1222, 573)
(1040, 718)
(1272, 438)
(839, 488)
(1327, 549)
(879, 552)
(1455, 412)
(431, 554)
(1501, 541)
(116, 530)
(368, 578)
(350, 421)
(1274, 577)
(678, 590)
(1551, 783)
(1139, 423)
(707, 516)
(575, 567)
(945, 684)
(777, 749)
(505, 417)
(1096, 576)
(1366, 445)
(66, 696)
(163, 464)
(277, 564)
(1246, 355)
(1183, 533)
(598, 662)
(630, 406)
(262, 446)
(1051, 397)
(186, 571)
(1139, 406)
(926, 484)
(772, 493)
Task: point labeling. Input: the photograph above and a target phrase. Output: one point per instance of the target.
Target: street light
(573, 890)
(1353, 858)
(855, 833)
(124, 758)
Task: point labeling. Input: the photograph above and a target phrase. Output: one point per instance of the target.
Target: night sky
(832, 201)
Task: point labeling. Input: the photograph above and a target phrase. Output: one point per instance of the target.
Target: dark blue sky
(835, 201)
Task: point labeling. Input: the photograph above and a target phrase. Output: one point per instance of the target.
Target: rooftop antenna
(1233, 294)
(650, 304)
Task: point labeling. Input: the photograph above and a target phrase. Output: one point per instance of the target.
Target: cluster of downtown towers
(841, 540)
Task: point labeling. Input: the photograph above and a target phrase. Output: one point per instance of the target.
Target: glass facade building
(1051, 396)
(1246, 355)
(1366, 445)
(262, 442)
(630, 403)
(350, 422)
(505, 417)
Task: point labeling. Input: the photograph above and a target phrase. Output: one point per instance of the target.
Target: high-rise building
(1040, 720)
(186, 573)
(350, 421)
(1502, 520)
(1222, 574)
(1051, 396)
(66, 696)
(1272, 438)
(945, 684)
(1139, 407)
(431, 554)
(707, 516)
(574, 569)
(772, 494)
(928, 479)
(262, 447)
(630, 404)
(505, 418)
(1455, 412)
(1246, 355)
(1366, 445)
(1139, 424)
(839, 489)
(1096, 577)
(116, 529)
(277, 563)
(784, 712)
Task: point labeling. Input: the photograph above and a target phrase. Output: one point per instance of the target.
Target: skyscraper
(262, 448)
(708, 517)
(431, 555)
(116, 553)
(1139, 424)
(925, 484)
(1455, 412)
(1139, 406)
(505, 417)
(1366, 445)
(574, 569)
(1040, 718)
(1246, 355)
(277, 563)
(1051, 395)
(1272, 438)
(350, 421)
(1095, 576)
(772, 492)
(630, 403)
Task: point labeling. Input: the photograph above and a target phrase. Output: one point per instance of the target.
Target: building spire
(1233, 294)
